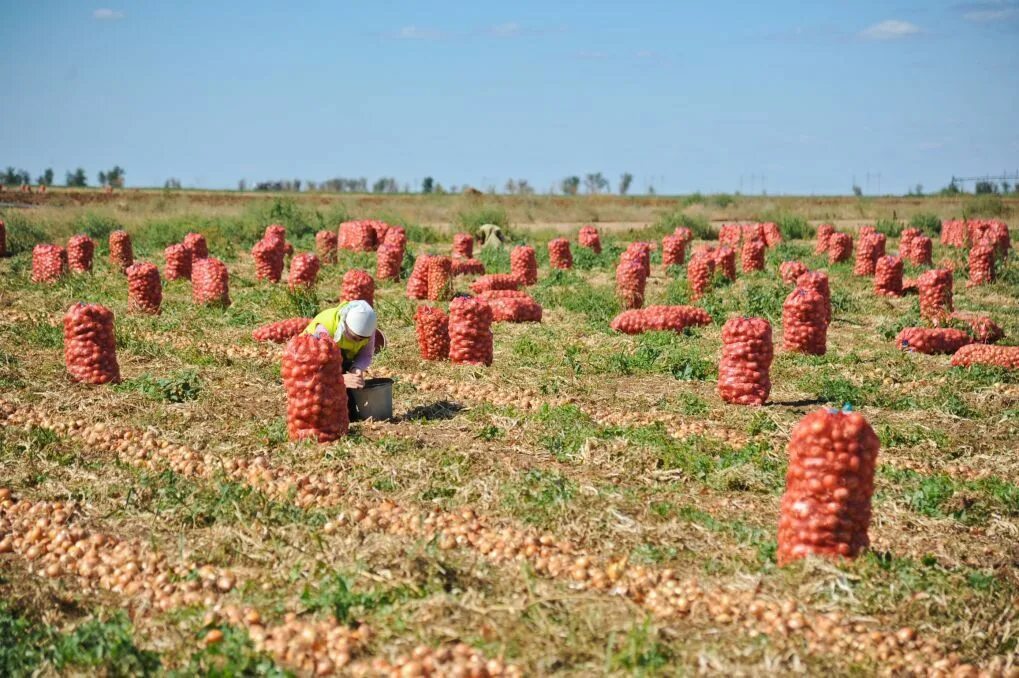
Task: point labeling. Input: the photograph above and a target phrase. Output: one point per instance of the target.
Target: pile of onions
(818, 281)
(590, 239)
(358, 284)
(935, 288)
(932, 341)
(268, 254)
(325, 246)
(752, 256)
(559, 255)
(144, 288)
(470, 331)
(210, 282)
(121, 252)
(440, 278)
(90, 348)
(984, 354)
(868, 251)
(790, 271)
(524, 264)
(49, 263)
(888, 276)
(178, 262)
(281, 331)
(195, 242)
(825, 510)
(312, 373)
(468, 266)
(80, 250)
(981, 264)
(804, 326)
(417, 283)
(660, 319)
(673, 250)
(303, 271)
(431, 326)
(631, 280)
(699, 272)
(463, 245)
(840, 247)
(745, 368)
(824, 232)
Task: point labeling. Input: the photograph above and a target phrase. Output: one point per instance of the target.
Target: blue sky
(710, 96)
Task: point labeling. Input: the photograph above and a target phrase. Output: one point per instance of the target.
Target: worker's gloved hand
(322, 333)
(353, 380)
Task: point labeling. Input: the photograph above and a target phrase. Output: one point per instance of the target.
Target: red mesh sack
(981, 264)
(381, 229)
(522, 309)
(660, 319)
(932, 340)
(630, 283)
(80, 249)
(772, 236)
(358, 284)
(178, 262)
(752, 256)
(280, 332)
(981, 328)
(920, 251)
(744, 370)
(388, 261)
(673, 250)
(984, 354)
(825, 510)
(888, 276)
(195, 242)
(312, 373)
(268, 255)
(359, 236)
(906, 239)
(396, 236)
(840, 247)
(210, 282)
(523, 264)
(325, 246)
(824, 232)
(275, 233)
(954, 233)
(49, 263)
(870, 248)
(866, 230)
(468, 267)
(559, 255)
(998, 234)
(144, 288)
(495, 281)
(790, 271)
(431, 326)
(699, 272)
(909, 286)
(488, 295)
(3, 239)
(804, 326)
(440, 278)
(463, 245)
(935, 288)
(752, 232)
(818, 282)
(121, 253)
(90, 347)
(730, 234)
(641, 253)
(303, 270)
(470, 331)
(417, 283)
(684, 234)
(590, 239)
(725, 261)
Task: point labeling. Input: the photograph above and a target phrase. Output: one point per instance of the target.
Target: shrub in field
(888, 276)
(144, 288)
(699, 272)
(467, 267)
(926, 223)
(790, 271)
(931, 340)
(178, 262)
(673, 250)
(824, 233)
(790, 226)
(870, 248)
(281, 331)
(49, 263)
(358, 284)
(210, 282)
(826, 508)
(470, 331)
(840, 247)
(195, 242)
(698, 226)
(417, 282)
(752, 256)
(984, 354)
(268, 254)
(472, 220)
(590, 239)
(80, 249)
(90, 347)
(431, 326)
(804, 326)
(325, 246)
(630, 282)
(463, 246)
(744, 370)
(440, 278)
(981, 264)
(935, 288)
(121, 252)
(496, 281)
(303, 270)
(559, 255)
(660, 319)
(888, 227)
(312, 372)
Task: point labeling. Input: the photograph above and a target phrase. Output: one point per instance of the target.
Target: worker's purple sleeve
(364, 357)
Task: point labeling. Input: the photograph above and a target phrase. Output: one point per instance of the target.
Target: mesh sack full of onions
(144, 288)
(440, 278)
(630, 283)
(745, 367)
(752, 255)
(80, 249)
(195, 242)
(954, 233)
(388, 261)
(931, 340)
(981, 264)
(468, 266)
(985, 354)
(840, 247)
(684, 234)
(524, 264)
(325, 246)
(754, 231)
(826, 508)
(699, 272)
(870, 248)
(395, 235)
(888, 276)
(178, 262)
(673, 251)
(280, 331)
(49, 263)
(312, 371)
(495, 281)
(381, 229)
(470, 331)
(303, 271)
(121, 252)
(417, 283)
(589, 238)
(818, 281)
(906, 239)
(210, 282)
(275, 233)
(790, 271)
(463, 245)
(772, 235)
(935, 289)
(431, 325)
(660, 319)
(920, 251)
(730, 234)
(725, 261)
(268, 255)
(641, 253)
(358, 236)
(90, 347)
(522, 309)
(824, 232)
(804, 327)
(982, 328)
(866, 230)
(358, 284)
(559, 255)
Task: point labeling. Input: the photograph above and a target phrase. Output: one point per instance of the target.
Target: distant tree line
(76, 179)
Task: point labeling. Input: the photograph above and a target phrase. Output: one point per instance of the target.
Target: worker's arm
(363, 360)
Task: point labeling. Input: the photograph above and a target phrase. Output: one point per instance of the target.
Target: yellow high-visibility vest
(332, 320)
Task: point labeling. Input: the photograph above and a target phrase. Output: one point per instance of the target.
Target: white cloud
(418, 33)
(106, 14)
(890, 29)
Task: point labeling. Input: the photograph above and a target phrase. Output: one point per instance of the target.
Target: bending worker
(353, 326)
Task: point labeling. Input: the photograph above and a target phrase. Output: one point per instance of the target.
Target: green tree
(595, 182)
(76, 179)
(46, 179)
(571, 185)
(986, 187)
(428, 185)
(115, 177)
(624, 183)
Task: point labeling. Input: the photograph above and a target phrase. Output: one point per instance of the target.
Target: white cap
(360, 318)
